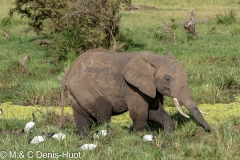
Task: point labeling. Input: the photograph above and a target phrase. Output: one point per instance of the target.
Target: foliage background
(214, 52)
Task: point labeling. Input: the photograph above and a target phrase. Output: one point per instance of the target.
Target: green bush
(6, 21)
(38, 11)
(75, 25)
(166, 33)
(227, 18)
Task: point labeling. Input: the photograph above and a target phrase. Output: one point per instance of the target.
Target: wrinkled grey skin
(102, 83)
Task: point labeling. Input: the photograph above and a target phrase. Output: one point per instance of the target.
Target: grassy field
(39, 83)
(215, 51)
(211, 61)
(189, 141)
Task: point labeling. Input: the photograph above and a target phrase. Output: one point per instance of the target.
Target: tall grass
(36, 92)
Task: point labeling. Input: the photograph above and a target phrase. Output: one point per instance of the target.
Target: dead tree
(22, 63)
(189, 26)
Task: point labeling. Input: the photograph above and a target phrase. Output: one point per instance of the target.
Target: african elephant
(101, 83)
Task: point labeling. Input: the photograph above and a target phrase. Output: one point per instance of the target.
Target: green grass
(40, 85)
(188, 141)
(214, 52)
(211, 61)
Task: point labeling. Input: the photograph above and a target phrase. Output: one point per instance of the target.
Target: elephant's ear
(170, 55)
(140, 73)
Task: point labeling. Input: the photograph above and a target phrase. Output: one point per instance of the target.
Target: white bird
(1, 111)
(90, 146)
(59, 136)
(30, 125)
(37, 139)
(102, 133)
(149, 137)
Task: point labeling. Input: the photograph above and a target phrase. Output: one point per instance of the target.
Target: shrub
(167, 33)
(227, 18)
(38, 11)
(75, 25)
(6, 21)
(93, 23)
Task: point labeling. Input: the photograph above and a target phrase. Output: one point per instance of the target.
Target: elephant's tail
(62, 107)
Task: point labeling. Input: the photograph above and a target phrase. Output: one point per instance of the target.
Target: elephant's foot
(83, 124)
(169, 126)
(139, 126)
(82, 133)
(160, 116)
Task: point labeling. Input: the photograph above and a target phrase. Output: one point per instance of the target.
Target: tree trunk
(189, 26)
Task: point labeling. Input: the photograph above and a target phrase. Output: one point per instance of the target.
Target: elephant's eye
(167, 78)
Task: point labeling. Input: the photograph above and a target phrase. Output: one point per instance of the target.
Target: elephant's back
(80, 64)
(103, 66)
(96, 77)
(98, 61)
(98, 64)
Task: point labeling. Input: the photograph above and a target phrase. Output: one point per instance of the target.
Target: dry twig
(6, 34)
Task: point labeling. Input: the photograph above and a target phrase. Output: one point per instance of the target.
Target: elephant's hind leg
(81, 117)
(83, 124)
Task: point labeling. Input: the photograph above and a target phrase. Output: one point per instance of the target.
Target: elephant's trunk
(193, 109)
(187, 100)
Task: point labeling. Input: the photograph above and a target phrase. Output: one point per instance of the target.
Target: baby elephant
(101, 83)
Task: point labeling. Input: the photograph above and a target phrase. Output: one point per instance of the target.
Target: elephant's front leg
(139, 115)
(138, 110)
(158, 114)
(163, 118)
